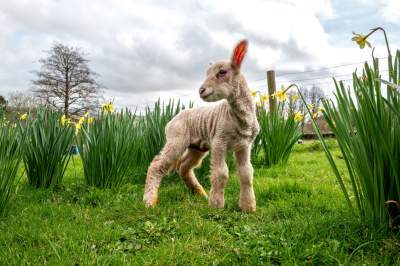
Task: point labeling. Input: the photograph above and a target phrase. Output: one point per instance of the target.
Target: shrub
(46, 147)
(108, 147)
(10, 158)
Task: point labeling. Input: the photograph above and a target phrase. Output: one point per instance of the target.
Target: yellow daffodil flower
(280, 95)
(90, 120)
(5, 121)
(311, 106)
(23, 117)
(253, 93)
(295, 97)
(77, 127)
(108, 107)
(361, 40)
(64, 120)
(86, 114)
(298, 117)
(264, 97)
(321, 109)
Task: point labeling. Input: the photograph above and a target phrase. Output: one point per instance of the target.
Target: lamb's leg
(219, 178)
(247, 200)
(159, 168)
(190, 160)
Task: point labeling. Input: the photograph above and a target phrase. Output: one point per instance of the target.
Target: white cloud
(391, 10)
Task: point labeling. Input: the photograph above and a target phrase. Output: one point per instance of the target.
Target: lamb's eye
(221, 73)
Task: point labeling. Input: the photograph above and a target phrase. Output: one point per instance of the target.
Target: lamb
(230, 126)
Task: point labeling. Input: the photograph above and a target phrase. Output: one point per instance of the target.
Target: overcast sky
(145, 49)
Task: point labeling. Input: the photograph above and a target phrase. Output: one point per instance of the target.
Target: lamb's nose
(201, 90)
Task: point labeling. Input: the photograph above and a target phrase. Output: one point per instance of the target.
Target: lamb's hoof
(215, 203)
(148, 203)
(248, 207)
(201, 191)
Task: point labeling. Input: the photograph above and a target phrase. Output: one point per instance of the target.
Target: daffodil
(78, 125)
(311, 106)
(321, 109)
(64, 120)
(295, 97)
(86, 114)
(90, 120)
(315, 115)
(298, 117)
(108, 107)
(361, 40)
(23, 117)
(5, 121)
(253, 93)
(264, 97)
(280, 95)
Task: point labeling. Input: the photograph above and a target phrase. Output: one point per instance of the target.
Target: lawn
(301, 218)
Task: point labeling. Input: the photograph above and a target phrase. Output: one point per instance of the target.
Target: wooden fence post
(271, 89)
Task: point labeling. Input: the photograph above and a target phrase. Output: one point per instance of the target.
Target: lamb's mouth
(205, 96)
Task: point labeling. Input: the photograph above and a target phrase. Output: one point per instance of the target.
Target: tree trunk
(66, 100)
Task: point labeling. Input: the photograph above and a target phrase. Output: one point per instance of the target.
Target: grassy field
(302, 218)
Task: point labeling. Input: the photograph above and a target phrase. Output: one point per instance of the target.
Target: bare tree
(66, 82)
(21, 100)
(313, 97)
(3, 101)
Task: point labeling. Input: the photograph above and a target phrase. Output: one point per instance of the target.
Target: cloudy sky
(146, 49)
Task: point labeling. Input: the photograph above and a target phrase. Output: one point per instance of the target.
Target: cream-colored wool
(230, 126)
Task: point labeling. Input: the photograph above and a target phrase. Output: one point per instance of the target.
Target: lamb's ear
(238, 54)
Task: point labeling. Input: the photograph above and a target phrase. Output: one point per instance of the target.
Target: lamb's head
(224, 76)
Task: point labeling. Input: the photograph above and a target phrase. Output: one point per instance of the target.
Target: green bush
(10, 158)
(108, 147)
(46, 148)
(278, 134)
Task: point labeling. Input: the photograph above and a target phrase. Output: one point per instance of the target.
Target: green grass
(302, 218)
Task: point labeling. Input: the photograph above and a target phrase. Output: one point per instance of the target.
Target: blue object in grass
(74, 150)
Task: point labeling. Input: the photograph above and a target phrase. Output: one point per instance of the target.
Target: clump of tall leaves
(10, 158)
(108, 147)
(46, 147)
(278, 134)
(365, 120)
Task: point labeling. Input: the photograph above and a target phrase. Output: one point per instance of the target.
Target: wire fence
(321, 77)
